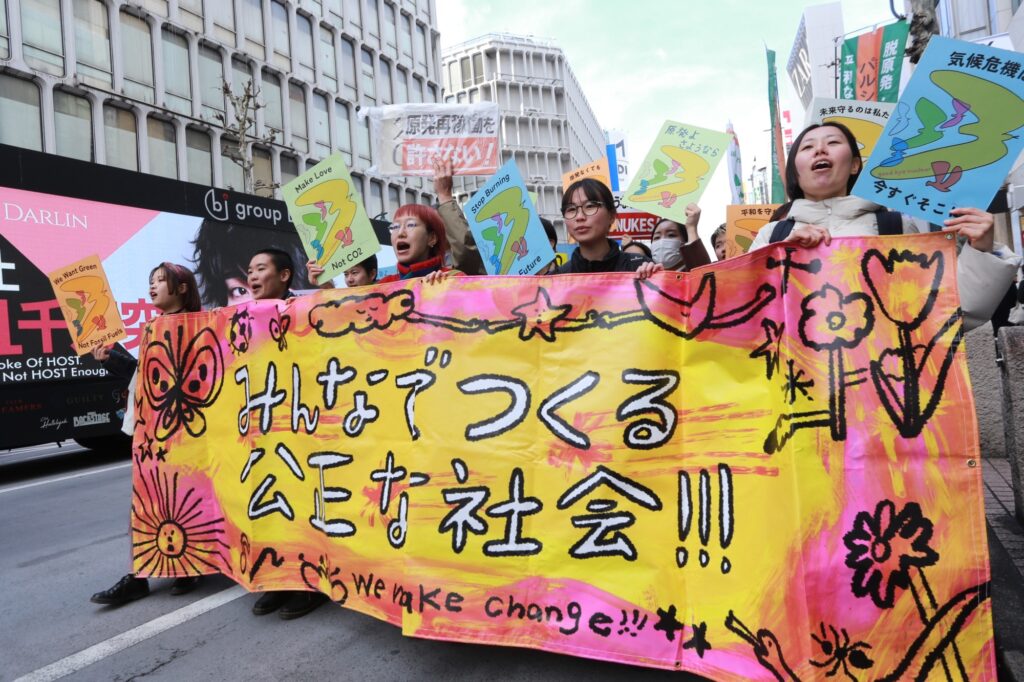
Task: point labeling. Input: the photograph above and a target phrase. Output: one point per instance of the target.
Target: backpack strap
(889, 222)
(782, 230)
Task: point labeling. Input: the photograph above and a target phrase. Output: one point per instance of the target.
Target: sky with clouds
(643, 61)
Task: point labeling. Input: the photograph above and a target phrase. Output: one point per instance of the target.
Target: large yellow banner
(763, 469)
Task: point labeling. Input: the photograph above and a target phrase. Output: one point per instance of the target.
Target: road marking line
(64, 478)
(98, 652)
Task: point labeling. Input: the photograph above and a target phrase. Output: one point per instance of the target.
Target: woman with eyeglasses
(589, 211)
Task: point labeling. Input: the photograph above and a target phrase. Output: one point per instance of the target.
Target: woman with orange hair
(417, 236)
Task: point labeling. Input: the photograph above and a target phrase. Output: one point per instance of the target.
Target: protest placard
(88, 307)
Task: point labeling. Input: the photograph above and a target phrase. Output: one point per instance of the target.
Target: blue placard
(613, 166)
(954, 135)
(506, 226)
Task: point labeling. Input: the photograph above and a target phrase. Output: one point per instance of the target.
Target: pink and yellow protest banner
(764, 469)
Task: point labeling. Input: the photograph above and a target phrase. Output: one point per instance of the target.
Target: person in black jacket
(172, 289)
(589, 211)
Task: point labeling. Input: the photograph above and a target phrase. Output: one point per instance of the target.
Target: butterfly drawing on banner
(679, 176)
(181, 379)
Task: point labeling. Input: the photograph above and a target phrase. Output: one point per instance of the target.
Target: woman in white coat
(822, 167)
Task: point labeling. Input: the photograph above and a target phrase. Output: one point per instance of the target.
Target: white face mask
(667, 252)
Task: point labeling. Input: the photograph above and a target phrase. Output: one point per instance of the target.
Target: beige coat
(983, 277)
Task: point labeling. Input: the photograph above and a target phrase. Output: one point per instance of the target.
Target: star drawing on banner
(668, 623)
(699, 642)
(769, 350)
(539, 316)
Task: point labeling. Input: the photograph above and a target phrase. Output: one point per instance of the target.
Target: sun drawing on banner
(172, 535)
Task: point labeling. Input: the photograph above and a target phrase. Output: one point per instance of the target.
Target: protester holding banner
(418, 238)
(589, 211)
(270, 278)
(359, 275)
(639, 248)
(821, 169)
(668, 247)
(172, 289)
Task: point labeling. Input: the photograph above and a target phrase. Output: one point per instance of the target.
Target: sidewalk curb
(1007, 611)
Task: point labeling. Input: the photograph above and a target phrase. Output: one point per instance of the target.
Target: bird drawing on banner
(766, 648)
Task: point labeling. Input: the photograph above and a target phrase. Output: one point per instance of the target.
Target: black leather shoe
(185, 585)
(301, 603)
(270, 602)
(128, 588)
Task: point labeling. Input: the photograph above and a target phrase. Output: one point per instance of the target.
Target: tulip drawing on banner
(896, 282)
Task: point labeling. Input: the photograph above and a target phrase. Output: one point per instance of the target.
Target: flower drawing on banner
(904, 284)
(240, 333)
(831, 321)
(181, 379)
(884, 547)
(360, 314)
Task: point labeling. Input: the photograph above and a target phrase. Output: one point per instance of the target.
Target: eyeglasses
(589, 209)
(409, 225)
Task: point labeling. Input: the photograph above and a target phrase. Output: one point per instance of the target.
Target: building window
(120, 134)
(348, 69)
(385, 82)
(297, 110)
(334, 7)
(369, 92)
(163, 153)
(467, 74)
(279, 31)
(241, 75)
(223, 15)
(478, 68)
(376, 205)
(405, 37)
(137, 58)
(72, 123)
(401, 85)
(417, 89)
(321, 127)
(357, 180)
(390, 29)
(363, 138)
(271, 96)
(43, 43)
(191, 12)
(262, 171)
(433, 93)
(344, 130)
(19, 101)
(353, 12)
(198, 155)
(394, 199)
(176, 73)
(410, 196)
(421, 47)
(289, 168)
(373, 20)
(92, 42)
(328, 59)
(5, 34)
(211, 81)
(231, 171)
(252, 12)
(304, 45)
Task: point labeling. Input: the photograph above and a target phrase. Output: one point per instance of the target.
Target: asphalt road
(64, 535)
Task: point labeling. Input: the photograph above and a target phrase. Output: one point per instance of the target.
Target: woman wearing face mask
(821, 169)
(668, 247)
(172, 289)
